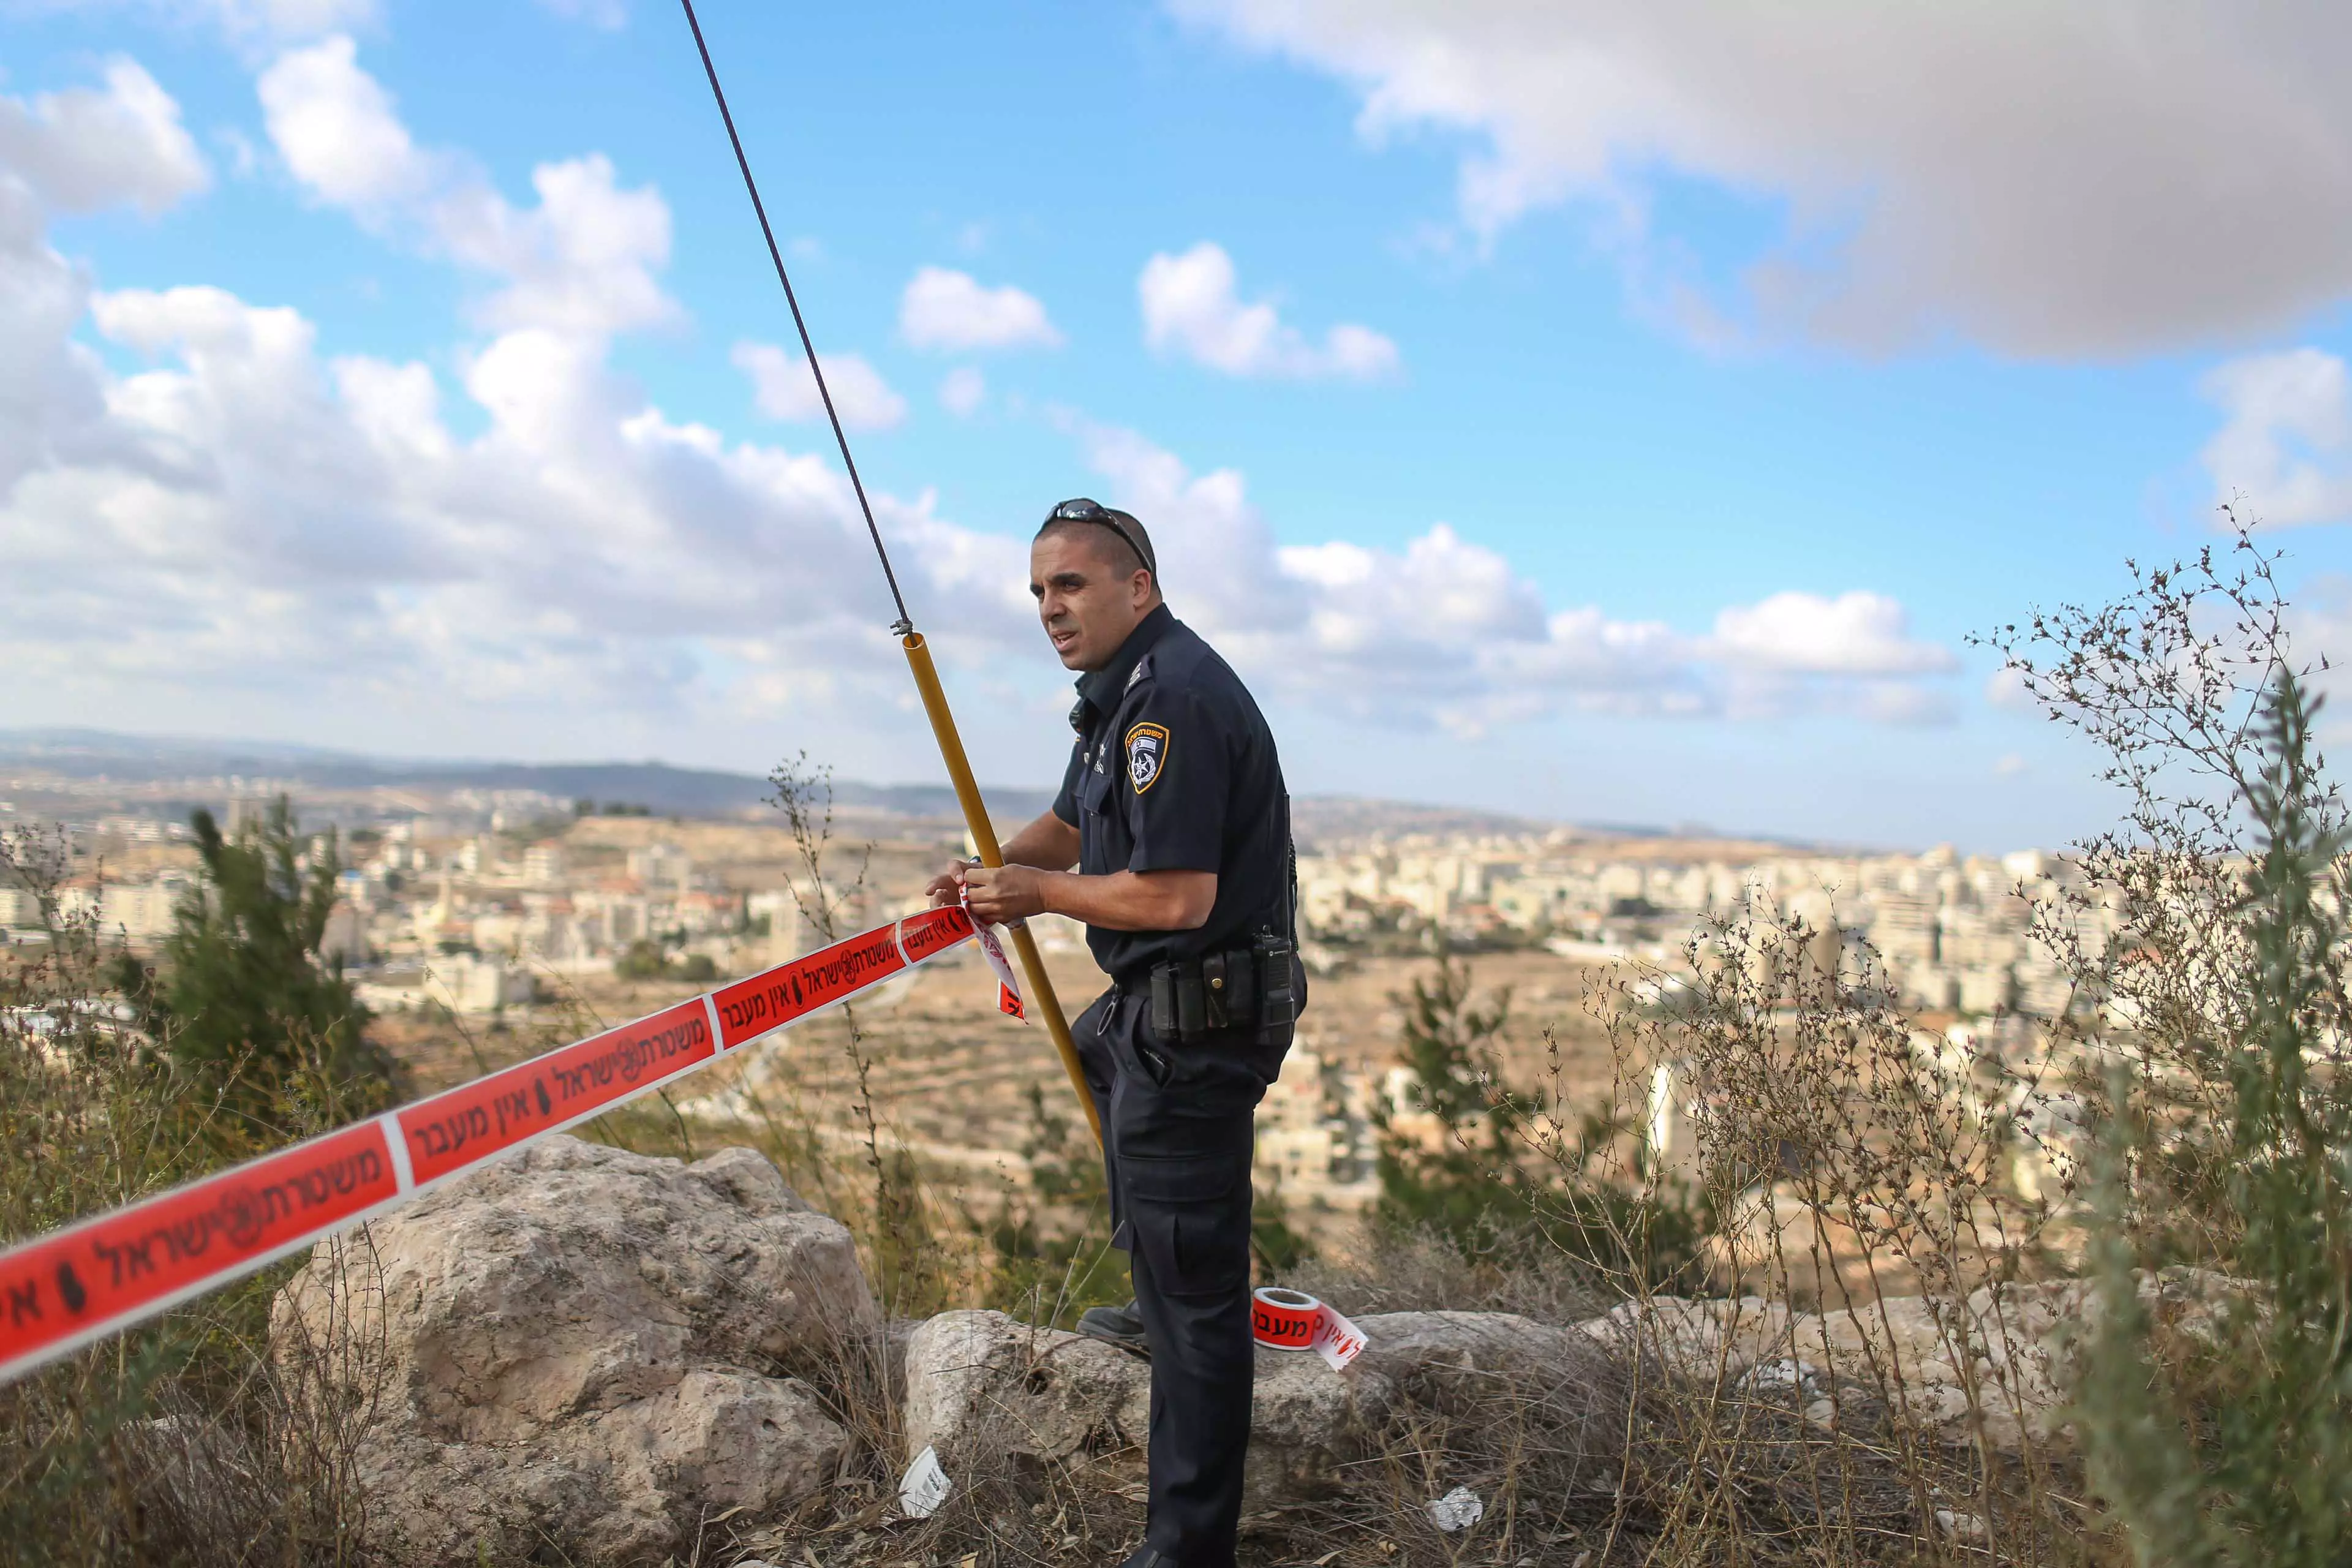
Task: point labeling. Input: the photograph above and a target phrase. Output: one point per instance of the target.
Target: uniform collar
(1100, 689)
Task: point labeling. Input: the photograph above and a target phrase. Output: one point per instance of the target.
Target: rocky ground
(584, 1354)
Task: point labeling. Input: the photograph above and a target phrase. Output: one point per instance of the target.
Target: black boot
(1123, 1327)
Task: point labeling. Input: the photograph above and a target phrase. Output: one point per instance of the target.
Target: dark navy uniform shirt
(1174, 769)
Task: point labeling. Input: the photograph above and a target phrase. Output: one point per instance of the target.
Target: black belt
(1250, 988)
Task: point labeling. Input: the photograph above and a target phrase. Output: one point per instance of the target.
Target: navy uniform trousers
(1176, 1148)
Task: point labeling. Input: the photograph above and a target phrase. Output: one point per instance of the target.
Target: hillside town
(477, 907)
(1950, 931)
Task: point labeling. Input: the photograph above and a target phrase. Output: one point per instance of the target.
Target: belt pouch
(1163, 1001)
(1191, 1004)
(1241, 989)
(1215, 999)
(1277, 983)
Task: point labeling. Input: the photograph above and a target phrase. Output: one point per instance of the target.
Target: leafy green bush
(2239, 1449)
(642, 960)
(244, 999)
(1501, 1174)
(186, 1440)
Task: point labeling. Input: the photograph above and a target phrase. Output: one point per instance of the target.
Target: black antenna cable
(918, 652)
(905, 624)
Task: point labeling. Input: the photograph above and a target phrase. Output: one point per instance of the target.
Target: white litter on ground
(925, 1485)
(1456, 1511)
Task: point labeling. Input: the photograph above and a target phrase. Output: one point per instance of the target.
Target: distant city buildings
(474, 904)
(1950, 933)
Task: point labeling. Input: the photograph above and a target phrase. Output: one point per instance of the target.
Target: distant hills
(664, 790)
(660, 788)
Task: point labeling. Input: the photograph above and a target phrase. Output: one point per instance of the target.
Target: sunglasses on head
(1083, 509)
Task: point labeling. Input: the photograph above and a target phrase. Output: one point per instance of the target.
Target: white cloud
(335, 127)
(962, 390)
(2283, 454)
(2051, 180)
(86, 148)
(782, 387)
(1796, 652)
(2006, 687)
(2011, 765)
(247, 514)
(583, 260)
(75, 151)
(1445, 633)
(1191, 307)
(1853, 634)
(953, 312)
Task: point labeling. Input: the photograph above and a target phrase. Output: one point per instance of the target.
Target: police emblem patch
(1147, 753)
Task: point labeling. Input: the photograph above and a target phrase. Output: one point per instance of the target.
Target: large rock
(1498, 1381)
(985, 1390)
(1996, 1361)
(981, 1383)
(585, 1350)
(2002, 1358)
(1695, 1338)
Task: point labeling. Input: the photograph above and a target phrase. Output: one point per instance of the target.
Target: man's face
(1087, 604)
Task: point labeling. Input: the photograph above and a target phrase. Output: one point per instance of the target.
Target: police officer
(1173, 811)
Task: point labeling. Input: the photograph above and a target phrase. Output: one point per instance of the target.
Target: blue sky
(1543, 410)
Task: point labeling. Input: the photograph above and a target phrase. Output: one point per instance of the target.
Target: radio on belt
(1294, 1321)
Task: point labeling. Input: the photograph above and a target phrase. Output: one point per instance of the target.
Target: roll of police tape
(1294, 1321)
(63, 1290)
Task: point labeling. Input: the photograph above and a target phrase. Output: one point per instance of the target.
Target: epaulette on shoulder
(1139, 675)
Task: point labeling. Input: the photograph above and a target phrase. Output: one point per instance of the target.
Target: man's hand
(947, 887)
(1035, 881)
(1048, 842)
(1002, 893)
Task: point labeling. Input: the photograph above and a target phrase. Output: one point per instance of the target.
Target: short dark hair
(1128, 541)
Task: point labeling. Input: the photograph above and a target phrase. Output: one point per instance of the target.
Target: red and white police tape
(61, 1291)
(1294, 1321)
(1008, 989)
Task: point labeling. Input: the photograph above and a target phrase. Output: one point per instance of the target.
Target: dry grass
(187, 1441)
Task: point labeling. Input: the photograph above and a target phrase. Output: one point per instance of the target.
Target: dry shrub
(1008, 1507)
(1543, 1450)
(2220, 1092)
(1850, 1161)
(187, 1440)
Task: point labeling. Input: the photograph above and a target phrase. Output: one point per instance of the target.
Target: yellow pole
(983, 838)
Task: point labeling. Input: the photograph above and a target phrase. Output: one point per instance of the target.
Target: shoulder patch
(1147, 755)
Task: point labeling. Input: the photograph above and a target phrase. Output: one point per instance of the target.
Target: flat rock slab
(1998, 1360)
(985, 1389)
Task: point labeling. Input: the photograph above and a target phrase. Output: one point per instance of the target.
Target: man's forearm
(1133, 900)
(1049, 844)
(1035, 880)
